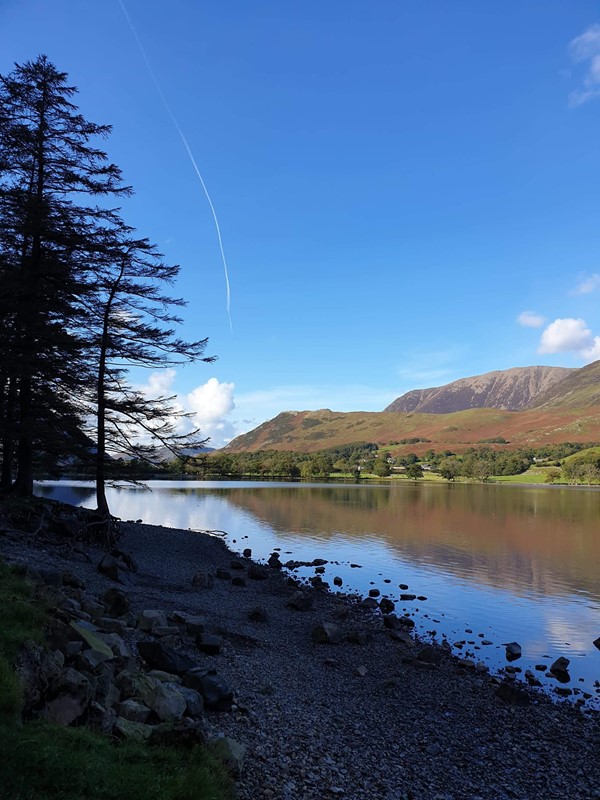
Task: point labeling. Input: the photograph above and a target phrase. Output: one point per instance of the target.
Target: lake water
(512, 563)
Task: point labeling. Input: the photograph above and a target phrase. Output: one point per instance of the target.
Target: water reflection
(510, 562)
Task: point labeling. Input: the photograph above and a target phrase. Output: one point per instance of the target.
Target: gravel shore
(362, 719)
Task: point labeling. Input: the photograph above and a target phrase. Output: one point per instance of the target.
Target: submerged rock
(513, 651)
(560, 669)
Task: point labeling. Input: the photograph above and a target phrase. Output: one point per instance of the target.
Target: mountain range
(524, 406)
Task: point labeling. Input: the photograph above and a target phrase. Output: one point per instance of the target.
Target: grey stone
(113, 568)
(166, 702)
(257, 614)
(116, 602)
(203, 580)
(513, 651)
(158, 656)
(71, 694)
(510, 694)
(110, 625)
(137, 731)
(209, 643)
(257, 573)
(212, 687)
(165, 677)
(430, 655)
(91, 638)
(151, 618)
(194, 702)
(301, 601)
(386, 606)
(165, 630)
(326, 633)
(133, 711)
(230, 753)
(100, 718)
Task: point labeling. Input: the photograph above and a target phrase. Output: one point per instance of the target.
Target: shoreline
(362, 718)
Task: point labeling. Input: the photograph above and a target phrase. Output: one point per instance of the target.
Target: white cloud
(570, 336)
(587, 45)
(587, 285)
(211, 403)
(530, 319)
(159, 384)
(585, 49)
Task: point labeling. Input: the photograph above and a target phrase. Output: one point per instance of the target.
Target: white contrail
(188, 149)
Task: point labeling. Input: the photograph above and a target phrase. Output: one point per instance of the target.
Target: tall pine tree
(50, 174)
(82, 299)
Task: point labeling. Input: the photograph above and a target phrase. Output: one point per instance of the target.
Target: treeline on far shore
(568, 462)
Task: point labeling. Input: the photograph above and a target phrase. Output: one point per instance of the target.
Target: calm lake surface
(512, 563)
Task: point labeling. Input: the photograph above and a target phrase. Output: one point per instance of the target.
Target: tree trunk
(8, 441)
(23, 485)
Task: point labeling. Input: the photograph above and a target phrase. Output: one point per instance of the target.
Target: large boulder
(90, 636)
(166, 702)
(36, 668)
(151, 618)
(70, 694)
(133, 710)
(114, 568)
(159, 656)
(213, 688)
(136, 731)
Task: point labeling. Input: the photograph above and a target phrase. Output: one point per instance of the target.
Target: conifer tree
(51, 173)
(134, 328)
(82, 298)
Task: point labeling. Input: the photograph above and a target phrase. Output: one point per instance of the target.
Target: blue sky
(407, 192)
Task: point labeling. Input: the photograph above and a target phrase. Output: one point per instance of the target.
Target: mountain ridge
(565, 407)
(512, 389)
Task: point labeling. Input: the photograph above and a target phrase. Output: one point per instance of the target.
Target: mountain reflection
(542, 541)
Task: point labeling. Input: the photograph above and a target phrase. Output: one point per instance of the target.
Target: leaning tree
(132, 321)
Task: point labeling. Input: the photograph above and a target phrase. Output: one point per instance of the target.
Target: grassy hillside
(580, 388)
(310, 431)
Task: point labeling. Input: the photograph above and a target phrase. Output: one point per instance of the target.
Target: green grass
(524, 477)
(43, 761)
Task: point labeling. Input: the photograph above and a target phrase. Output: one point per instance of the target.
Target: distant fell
(579, 389)
(509, 390)
(310, 431)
